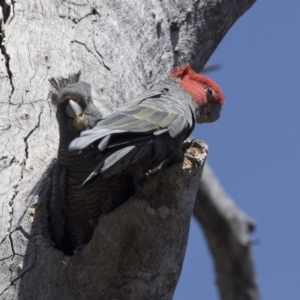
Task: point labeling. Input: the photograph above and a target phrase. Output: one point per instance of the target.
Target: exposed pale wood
(121, 48)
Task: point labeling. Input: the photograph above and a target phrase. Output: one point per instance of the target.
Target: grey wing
(154, 112)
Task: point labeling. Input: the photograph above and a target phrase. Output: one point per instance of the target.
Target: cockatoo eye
(210, 93)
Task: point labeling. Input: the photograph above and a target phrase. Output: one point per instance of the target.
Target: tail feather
(87, 139)
(126, 139)
(104, 142)
(106, 162)
(118, 161)
(113, 158)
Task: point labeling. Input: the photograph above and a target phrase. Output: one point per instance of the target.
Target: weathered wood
(121, 48)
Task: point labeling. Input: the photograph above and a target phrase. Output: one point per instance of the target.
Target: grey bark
(121, 48)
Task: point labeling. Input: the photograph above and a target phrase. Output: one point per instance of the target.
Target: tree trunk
(121, 48)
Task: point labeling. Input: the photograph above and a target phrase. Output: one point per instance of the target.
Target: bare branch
(227, 231)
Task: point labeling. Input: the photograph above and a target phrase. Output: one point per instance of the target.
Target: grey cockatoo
(151, 127)
(73, 210)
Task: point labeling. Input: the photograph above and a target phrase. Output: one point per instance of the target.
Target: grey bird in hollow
(151, 127)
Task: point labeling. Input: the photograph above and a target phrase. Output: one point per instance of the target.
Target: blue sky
(254, 149)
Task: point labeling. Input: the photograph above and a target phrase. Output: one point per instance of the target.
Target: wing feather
(155, 110)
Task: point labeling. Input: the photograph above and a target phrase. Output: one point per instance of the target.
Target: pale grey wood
(121, 48)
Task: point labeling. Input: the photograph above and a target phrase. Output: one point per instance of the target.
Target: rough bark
(227, 231)
(121, 48)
